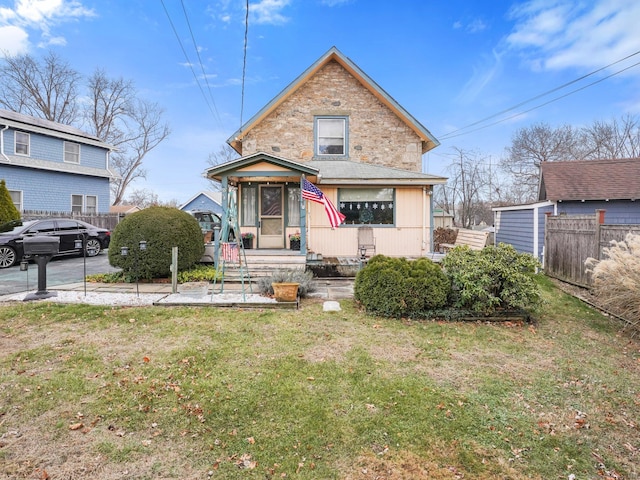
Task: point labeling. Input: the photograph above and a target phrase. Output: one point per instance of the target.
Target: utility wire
(206, 79)
(175, 32)
(244, 60)
(456, 134)
(447, 137)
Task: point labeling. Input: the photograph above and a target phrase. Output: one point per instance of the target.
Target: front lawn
(196, 393)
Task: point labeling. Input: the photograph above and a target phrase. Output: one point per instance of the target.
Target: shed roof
(590, 180)
(333, 54)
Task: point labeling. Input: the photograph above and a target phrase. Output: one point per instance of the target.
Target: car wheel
(93, 247)
(8, 257)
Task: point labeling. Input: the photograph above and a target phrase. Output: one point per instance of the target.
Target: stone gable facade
(376, 134)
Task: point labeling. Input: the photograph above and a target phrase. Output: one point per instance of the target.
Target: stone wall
(376, 134)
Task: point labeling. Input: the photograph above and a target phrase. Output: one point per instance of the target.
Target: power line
(175, 32)
(244, 60)
(455, 133)
(542, 104)
(195, 47)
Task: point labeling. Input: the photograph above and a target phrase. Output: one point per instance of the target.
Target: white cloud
(269, 11)
(14, 40)
(558, 34)
(334, 3)
(37, 16)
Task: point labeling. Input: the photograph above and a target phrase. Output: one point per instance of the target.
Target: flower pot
(285, 292)
(294, 244)
(247, 243)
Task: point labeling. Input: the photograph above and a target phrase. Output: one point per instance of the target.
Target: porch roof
(342, 172)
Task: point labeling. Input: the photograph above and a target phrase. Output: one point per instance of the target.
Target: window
(293, 207)
(84, 204)
(91, 204)
(249, 205)
(71, 152)
(367, 206)
(16, 198)
(76, 203)
(331, 136)
(22, 143)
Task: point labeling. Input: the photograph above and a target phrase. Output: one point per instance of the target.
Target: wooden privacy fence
(101, 220)
(570, 239)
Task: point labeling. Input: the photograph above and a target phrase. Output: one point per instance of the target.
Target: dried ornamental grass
(616, 279)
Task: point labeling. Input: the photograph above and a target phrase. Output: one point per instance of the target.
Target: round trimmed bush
(162, 228)
(397, 287)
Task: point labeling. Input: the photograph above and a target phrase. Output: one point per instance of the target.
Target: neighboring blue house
(572, 188)
(52, 167)
(204, 201)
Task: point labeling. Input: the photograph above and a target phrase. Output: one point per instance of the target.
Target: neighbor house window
(331, 136)
(249, 205)
(22, 143)
(71, 152)
(367, 206)
(91, 204)
(16, 198)
(293, 207)
(76, 203)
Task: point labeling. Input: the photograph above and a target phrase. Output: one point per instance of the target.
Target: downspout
(6, 127)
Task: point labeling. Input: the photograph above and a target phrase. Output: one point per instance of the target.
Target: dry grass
(192, 393)
(616, 279)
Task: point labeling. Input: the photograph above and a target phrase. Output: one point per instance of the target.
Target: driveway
(60, 271)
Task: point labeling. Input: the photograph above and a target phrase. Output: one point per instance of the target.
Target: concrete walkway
(325, 288)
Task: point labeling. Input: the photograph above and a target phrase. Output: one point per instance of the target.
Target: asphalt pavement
(59, 271)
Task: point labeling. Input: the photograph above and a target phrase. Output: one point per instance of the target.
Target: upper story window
(331, 136)
(22, 143)
(71, 152)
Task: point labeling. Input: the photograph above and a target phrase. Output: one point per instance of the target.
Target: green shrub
(200, 273)
(492, 278)
(396, 287)
(300, 276)
(8, 210)
(162, 228)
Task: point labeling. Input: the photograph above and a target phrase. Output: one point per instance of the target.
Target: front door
(271, 231)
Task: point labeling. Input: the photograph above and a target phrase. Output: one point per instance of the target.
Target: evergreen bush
(397, 287)
(493, 278)
(8, 210)
(162, 228)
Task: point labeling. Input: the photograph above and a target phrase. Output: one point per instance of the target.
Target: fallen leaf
(76, 426)
(146, 359)
(251, 440)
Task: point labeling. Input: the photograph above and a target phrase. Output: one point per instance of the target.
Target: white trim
(546, 203)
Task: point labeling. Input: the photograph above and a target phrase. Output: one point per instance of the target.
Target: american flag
(313, 193)
(230, 252)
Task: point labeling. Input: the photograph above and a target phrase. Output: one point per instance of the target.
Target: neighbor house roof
(124, 209)
(215, 197)
(590, 180)
(46, 127)
(428, 140)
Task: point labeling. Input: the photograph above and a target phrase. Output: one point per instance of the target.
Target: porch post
(303, 220)
(225, 220)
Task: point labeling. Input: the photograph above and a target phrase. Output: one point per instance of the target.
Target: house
(123, 210)
(572, 188)
(52, 167)
(586, 186)
(335, 127)
(204, 201)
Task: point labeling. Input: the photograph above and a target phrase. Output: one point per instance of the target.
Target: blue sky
(449, 63)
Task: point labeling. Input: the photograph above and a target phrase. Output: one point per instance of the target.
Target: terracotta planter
(285, 292)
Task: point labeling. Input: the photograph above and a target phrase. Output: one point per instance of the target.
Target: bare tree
(146, 131)
(49, 89)
(614, 139)
(224, 154)
(533, 145)
(45, 89)
(467, 188)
